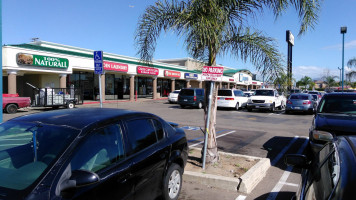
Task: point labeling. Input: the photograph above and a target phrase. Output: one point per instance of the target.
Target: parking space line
(289, 184)
(277, 188)
(241, 197)
(216, 137)
(197, 138)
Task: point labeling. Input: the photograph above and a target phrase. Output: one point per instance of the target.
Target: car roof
(78, 118)
(340, 94)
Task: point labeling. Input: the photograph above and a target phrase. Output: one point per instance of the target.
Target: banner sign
(116, 66)
(147, 70)
(190, 76)
(212, 73)
(171, 73)
(43, 61)
(231, 79)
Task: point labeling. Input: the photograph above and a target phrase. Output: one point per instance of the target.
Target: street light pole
(343, 30)
(340, 75)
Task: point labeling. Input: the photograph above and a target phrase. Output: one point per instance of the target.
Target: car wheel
(272, 109)
(182, 106)
(11, 108)
(249, 109)
(200, 105)
(172, 182)
(70, 105)
(237, 106)
(287, 112)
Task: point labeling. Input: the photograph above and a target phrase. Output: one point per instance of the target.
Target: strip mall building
(45, 64)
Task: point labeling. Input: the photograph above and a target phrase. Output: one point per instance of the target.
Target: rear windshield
(315, 97)
(338, 104)
(224, 93)
(264, 93)
(187, 92)
(176, 92)
(301, 97)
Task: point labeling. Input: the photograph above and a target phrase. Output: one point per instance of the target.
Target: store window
(144, 86)
(84, 81)
(180, 84)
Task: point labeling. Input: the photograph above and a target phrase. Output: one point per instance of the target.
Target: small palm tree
(218, 27)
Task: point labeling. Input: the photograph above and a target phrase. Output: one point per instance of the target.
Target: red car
(11, 104)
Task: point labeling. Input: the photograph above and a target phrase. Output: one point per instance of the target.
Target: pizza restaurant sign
(147, 70)
(171, 73)
(43, 61)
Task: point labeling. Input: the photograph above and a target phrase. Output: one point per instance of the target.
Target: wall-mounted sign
(231, 79)
(212, 73)
(254, 83)
(171, 73)
(44, 61)
(190, 76)
(147, 70)
(116, 66)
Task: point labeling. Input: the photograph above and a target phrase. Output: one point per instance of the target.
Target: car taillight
(289, 102)
(195, 98)
(229, 99)
(319, 95)
(307, 102)
(218, 98)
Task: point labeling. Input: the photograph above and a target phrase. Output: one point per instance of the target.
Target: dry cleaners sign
(44, 61)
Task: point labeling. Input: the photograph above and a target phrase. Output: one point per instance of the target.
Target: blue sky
(110, 25)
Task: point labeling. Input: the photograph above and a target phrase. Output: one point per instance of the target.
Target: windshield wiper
(33, 130)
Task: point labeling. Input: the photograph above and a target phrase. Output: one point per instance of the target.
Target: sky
(110, 25)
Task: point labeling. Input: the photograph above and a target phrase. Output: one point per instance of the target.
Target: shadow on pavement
(280, 195)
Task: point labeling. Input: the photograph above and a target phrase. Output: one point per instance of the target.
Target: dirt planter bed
(233, 172)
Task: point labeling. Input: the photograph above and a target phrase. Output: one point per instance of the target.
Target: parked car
(329, 175)
(335, 115)
(266, 99)
(301, 102)
(191, 97)
(173, 96)
(11, 104)
(316, 93)
(91, 153)
(231, 98)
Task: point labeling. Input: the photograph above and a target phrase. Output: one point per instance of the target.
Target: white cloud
(348, 45)
(313, 72)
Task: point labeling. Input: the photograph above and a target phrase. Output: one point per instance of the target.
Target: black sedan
(329, 175)
(91, 153)
(335, 115)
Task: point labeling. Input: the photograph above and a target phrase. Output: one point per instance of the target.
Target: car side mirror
(79, 178)
(296, 160)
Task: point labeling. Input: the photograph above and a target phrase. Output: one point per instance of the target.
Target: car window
(27, 150)
(159, 129)
(187, 92)
(99, 150)
(338, 104)
(264, 93)
(141, 134)
(300, 97)
(325, 173)
(199, 92)
(225, 93)
(176, 92)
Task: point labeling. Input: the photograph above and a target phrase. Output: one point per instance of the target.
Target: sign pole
(100, 96)
(98, 69)
(207, 124)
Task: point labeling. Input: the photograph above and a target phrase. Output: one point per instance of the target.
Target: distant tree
(305, 81)
(351, 62)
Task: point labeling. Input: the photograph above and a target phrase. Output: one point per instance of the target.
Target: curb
(246, 183)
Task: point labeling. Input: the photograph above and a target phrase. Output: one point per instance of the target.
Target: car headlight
(322, 135)
(249, 101)
(269, 101)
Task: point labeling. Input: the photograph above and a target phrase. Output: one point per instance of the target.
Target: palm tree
(305, 81)
(351, 62)
(330, 81)
(218, 27)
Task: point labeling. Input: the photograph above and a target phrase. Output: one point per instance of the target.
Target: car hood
(262, 98)
(338, 124)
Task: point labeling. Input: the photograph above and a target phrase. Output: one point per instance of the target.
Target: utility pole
(290, 41)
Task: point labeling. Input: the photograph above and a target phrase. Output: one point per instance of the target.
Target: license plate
(185, 100)
(297, 108)
(257, 106)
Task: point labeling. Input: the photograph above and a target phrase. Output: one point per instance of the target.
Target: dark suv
(91, 153)
(335, 115)
(191, 97)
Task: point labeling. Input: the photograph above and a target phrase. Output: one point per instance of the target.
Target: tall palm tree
(306, 81)
(351, 62)
(218, 27)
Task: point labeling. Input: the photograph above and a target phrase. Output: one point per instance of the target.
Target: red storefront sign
(115, 66)
(172, 73)
(231, 79)
(255, 83)
(147, 70)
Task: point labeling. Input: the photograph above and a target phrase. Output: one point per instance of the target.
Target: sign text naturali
(44, 61)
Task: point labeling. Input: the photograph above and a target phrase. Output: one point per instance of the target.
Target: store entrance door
(120, 89)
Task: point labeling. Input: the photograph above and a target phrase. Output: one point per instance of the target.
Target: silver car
(300, 102)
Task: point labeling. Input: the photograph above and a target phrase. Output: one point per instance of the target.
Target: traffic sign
(98, 62)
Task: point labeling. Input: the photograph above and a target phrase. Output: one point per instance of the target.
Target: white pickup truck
(266, 99)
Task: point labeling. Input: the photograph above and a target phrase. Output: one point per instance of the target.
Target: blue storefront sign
(190, 76)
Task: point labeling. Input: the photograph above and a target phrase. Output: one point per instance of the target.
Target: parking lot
(260, 134)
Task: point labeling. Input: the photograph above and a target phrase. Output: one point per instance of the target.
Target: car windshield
(187, 92)
(176, 92)
(27, 150)
(338, 104)
(300, 97)
(224, 93)
(264, 93)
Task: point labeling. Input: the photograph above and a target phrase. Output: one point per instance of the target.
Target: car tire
(287, 112)
(70, 105)
(249, 109)
(172, 182)
(182, 106)
(237, 107)
(11, 108)
(200, 105)
(273, 108)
